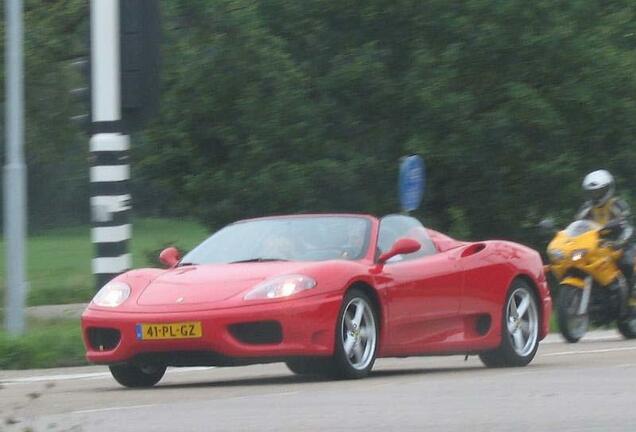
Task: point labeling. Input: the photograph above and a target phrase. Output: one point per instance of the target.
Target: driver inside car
(354, 243)
(278, 246)
(603, 208)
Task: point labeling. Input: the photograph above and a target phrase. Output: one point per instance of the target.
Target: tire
(356, 337)
(130, 375)
(519, 329)
(310, 366)
(627, 326)
(572, 326)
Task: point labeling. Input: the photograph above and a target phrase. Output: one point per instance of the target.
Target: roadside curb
(53, 312)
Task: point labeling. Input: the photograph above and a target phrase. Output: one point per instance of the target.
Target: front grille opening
(103, 339)
(258, 333)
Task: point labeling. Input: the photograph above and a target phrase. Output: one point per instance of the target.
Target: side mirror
(170, 256)
(401, 246)
(547, 226)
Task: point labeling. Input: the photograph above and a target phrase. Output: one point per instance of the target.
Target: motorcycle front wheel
(627, 325)
(572, 325)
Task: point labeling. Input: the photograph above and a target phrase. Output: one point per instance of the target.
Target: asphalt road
(589, 386)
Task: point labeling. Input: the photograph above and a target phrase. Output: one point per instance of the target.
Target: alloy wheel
(522, 320)
(358, 333)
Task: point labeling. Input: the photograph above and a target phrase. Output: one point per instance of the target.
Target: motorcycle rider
(603, 207)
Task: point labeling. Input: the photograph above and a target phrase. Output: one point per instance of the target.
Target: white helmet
(598, 187)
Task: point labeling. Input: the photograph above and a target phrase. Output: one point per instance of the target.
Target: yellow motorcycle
(592, 288)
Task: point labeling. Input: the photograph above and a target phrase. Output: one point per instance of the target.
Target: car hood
(211, 285)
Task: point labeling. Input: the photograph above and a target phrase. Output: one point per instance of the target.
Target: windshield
(579, 227)
(316, 238)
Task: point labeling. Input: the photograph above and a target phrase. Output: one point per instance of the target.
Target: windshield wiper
(258, 260)
(184, 264)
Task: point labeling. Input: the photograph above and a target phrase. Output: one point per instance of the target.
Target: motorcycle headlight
(112, 294)
(556, 254)
(280, 286)
(578, 254)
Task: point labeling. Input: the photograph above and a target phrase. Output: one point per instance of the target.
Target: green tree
(286, 106)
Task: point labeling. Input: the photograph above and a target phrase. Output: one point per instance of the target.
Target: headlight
(578, 254)
(556, 254)
(112, 294)
(280, 286)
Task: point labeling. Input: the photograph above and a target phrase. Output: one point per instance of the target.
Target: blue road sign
(412, 182)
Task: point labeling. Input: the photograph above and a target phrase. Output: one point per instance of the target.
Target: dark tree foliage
(55, 33)
(284, 106)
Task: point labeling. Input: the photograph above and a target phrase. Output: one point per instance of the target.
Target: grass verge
(46, 344)
(59, 260)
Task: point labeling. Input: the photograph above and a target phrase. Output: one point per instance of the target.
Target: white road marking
(596, 351)
(86, 376)
(259, 395)
(89, 411)
(128, 407)
(555, 338)
(519, 373)
(46, 378)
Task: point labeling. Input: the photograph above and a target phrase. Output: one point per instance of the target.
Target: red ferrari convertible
(326, 294)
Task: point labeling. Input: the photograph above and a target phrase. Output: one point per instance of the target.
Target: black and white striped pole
(109, 146)
(124, 70)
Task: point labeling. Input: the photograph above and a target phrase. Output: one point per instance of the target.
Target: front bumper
(308, 329)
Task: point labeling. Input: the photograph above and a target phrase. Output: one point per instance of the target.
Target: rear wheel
(572, 325)
(519, 330)
(130, 375)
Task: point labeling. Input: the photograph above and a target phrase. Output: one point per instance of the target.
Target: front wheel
(572, 325)
(519, 329)
(627, 326)
(356, 336)
(130, 375)
(309, 366)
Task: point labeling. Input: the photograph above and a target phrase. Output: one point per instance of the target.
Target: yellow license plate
(180, 330)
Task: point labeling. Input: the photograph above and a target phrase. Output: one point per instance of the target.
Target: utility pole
(14, 171)
(109, 145)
